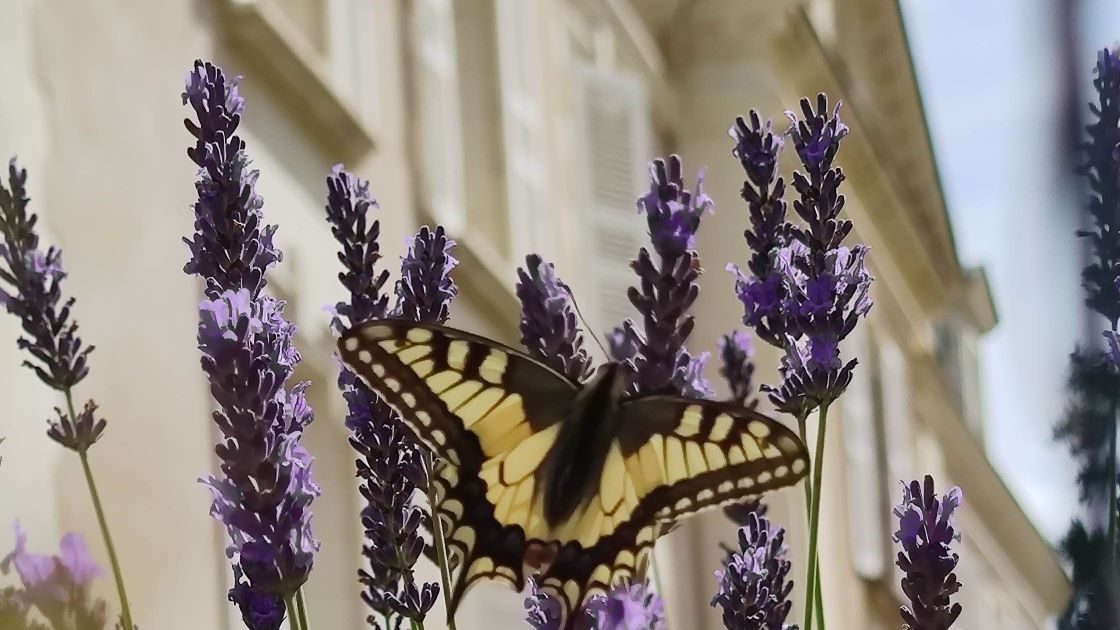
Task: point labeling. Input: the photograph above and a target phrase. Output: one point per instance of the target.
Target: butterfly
(576, 480)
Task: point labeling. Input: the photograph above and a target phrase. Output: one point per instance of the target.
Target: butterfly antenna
(583, 319)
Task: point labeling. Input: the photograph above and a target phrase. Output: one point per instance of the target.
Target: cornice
(887, 210)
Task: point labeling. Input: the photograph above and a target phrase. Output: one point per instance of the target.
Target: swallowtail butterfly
(574, 479)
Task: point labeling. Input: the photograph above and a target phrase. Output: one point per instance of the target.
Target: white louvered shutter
(897, 436)
(439, 132)
(523, 131)
(866, 533)
(352, 54)
(615, 132)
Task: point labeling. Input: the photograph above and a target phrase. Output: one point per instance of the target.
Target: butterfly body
(571, 470)
(575, 479)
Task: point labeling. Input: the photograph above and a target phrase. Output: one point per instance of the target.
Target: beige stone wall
(91, 104)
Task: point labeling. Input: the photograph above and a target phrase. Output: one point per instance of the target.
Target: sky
(990, 85)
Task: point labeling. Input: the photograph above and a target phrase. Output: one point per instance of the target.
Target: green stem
(290, 606)
(301, 608)
(440, 542)
(416, 625)
(818, 598)
(814, 519)
(126, 613)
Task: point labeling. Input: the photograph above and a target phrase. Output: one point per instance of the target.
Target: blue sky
(988, 75)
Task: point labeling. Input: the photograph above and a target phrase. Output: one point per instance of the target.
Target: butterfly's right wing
(672, 457)
(490, 412)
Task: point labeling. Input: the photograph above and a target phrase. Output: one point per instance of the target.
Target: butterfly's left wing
(491, 412)
(673, 457)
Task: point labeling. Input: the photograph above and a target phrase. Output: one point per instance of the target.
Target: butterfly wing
(673, 457)
(488, 411)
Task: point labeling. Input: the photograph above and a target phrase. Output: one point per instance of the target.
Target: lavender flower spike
(737, 367)
(264, 491)
(33, 294)
(629, 607)
(548, 322)
(757, 148)
(667, 288)
(926, 529)
(57, 586)
(390, 464)
(753, 586)
(1101, 278)
(425, 289)
(826, 285)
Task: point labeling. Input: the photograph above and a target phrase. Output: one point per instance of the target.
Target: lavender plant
(392, 465)
(33, 293)
(1089, 424)
(264, 491)
(1101, 277)
(58, 587)
(753, 585)
(926, 530)
(806, 291)
(666, 288)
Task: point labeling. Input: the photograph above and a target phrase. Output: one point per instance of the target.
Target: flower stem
(818, 597)
(126, 613)
(439, 542)
(301, 608)
(290, 606)
(814, 519)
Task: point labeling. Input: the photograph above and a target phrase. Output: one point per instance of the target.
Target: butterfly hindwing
(672, 458)
(489, 411)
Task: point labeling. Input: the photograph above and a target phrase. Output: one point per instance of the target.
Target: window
(615, 141)
(322, 53)
(432, 25)
(956, 347)
(862, 435)
(523, 132)
(878, 448)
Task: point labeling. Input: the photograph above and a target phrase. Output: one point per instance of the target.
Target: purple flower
(265, 489)
(264, 492)
(1100, 278)
(425, 289)
(629, 607)
(761, 291)
(753, 586)
(544, 612)
(348, 205)
(30, 289)
(77, 433)
(391, 464)
(667, 287)
(826, 286)
(58, 586)
(548, 321)
(260, 610)
(231, 248)
(737, 366)
(926, 529)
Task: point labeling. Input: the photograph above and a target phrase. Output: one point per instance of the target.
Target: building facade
(523, 127)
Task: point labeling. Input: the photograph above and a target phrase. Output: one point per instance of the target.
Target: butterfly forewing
(487, 410)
